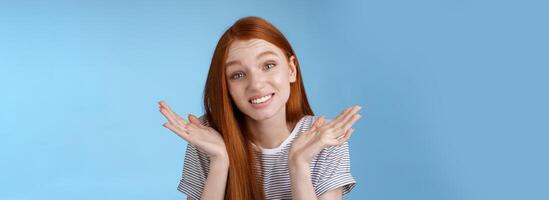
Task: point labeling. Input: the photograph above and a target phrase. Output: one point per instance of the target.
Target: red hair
(227, 119)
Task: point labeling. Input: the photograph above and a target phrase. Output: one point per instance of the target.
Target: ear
(293, 69)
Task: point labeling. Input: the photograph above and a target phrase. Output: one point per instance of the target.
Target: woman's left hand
(321, 135)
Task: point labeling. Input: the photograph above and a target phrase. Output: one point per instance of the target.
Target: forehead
(242, 49)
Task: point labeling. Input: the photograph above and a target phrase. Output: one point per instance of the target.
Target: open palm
(322, 135)
(205, 138)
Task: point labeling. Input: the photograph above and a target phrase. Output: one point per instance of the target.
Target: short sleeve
(333, 167)
(195, 171)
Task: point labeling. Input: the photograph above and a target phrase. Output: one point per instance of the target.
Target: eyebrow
(234, 62)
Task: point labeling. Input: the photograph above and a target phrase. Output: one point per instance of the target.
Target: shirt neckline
(285, 142)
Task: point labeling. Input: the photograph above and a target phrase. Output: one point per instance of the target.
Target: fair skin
(209, 141)
(257, 68)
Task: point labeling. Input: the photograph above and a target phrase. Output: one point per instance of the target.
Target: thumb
(195, 120)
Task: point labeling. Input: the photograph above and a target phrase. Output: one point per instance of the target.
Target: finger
(168, 116)
(193, 119)
(181, 133)
(338, 118)
(166, 110)
(163, 104)
(317, 124)
(178, 119)
(346, 136)
(351, 121)
(348, 116)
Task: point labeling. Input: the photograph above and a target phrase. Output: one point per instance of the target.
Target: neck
(269, 133)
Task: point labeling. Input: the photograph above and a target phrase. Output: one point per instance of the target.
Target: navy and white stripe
(330, 168)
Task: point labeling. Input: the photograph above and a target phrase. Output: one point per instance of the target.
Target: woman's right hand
(205, 138)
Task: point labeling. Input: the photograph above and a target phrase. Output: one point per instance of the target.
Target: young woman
(259, 138)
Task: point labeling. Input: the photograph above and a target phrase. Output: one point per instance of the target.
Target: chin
(260, 115)
(264, 114)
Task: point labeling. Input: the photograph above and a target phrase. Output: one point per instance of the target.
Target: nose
(256, 81)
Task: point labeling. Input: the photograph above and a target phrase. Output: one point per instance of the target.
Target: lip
(258, 96)
(264, 104)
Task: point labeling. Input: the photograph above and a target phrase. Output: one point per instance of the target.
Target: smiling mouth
(261, 100)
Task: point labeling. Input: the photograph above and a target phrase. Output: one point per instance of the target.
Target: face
(259, 76)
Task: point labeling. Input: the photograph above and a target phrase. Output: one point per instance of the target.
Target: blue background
(456, 92)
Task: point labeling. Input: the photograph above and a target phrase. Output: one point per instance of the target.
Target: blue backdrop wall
(455, 90)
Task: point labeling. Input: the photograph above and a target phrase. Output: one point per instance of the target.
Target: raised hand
(322, 135)
(205, 138)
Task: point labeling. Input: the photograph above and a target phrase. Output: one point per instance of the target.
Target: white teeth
(262, 99)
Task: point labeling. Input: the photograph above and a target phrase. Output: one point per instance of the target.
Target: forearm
(214, 187)
(300, 177)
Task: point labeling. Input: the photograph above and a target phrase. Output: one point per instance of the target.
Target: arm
(302, 187)
(214, 187)
(309, 144)
(207, 140)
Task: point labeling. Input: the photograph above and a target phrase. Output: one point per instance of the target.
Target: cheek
(282, 84)
(282, 79)
(236, 92)
(280, 75)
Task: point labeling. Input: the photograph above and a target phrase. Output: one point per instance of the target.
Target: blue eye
(270, 65)
(237, 75)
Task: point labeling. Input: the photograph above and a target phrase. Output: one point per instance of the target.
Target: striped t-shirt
(330, 168)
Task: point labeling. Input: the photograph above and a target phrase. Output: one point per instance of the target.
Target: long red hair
(244, 181)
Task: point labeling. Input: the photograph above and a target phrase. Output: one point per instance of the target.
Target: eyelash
(240, 74)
